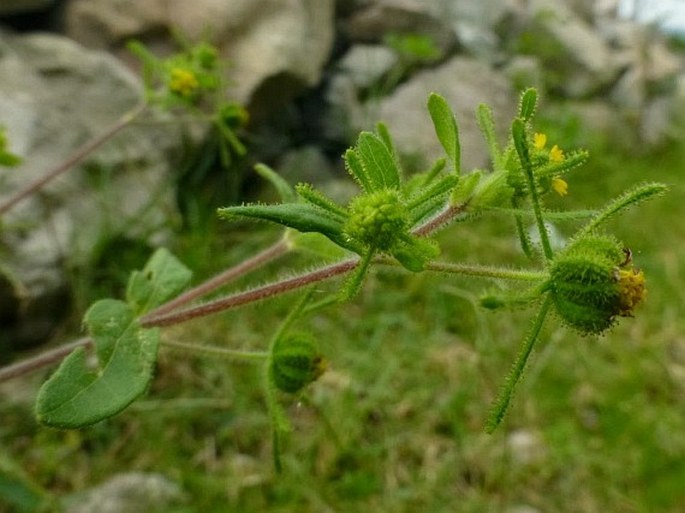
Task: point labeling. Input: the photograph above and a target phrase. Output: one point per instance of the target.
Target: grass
(396, 424)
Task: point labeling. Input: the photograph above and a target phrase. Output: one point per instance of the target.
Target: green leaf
(445, 128)
(378, 163)
(486, 122)
(162, 278)
(384, 134)
(303, 217)
(319, 199)
(631, 197)
(354, 165)
(78, 395)
(518, 132)
(528, 104)
(9, 160)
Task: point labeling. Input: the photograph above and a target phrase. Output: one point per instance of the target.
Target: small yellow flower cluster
(632, 291)
(183, 82)
(556, 154)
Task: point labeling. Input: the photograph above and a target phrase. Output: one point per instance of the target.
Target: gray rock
(382, 17)
(55, 96)
(577, 60)
(465, 83)
(261, 39)
(525, 71)
(108, 23)
(365, 65)
(129, 492)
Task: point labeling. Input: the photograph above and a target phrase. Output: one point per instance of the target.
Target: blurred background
(396, 424)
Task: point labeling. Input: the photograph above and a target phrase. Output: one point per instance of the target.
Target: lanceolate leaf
(379, 165)
(303, 217)
(445, 128)
(78, 395)
(528, 104)
(353, 163)
(162, 278)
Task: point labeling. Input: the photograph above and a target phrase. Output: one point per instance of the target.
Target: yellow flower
(539, 141)
(556, 154)
(631, 287)
(560, 186)
(183, 82)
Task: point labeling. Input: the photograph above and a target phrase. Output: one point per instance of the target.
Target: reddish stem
(42, 360)
(74, 159)
(249, 296)
(271, 253)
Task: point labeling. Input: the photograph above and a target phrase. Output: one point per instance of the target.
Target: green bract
(295, 362)
(384, 216)
(584, 283)
(592, 283)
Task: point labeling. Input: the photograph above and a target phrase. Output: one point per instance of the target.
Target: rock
(577, 60)
(525, 71)
(263, 39)
(288, 41)
(527, 447)
(383, 17)
(127, 492)
(55, 96)
(656, 123)
(110, 23)
(465, 83)
(365, 65)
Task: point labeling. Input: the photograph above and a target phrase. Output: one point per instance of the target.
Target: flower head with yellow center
(183, 82)
(631, 290)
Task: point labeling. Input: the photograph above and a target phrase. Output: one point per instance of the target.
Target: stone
(525, 71)
(365, 65)
(126, 492)
(578, 62)
(288, 41)
(110, 23)
(465, 83)
(526, 447)
(383, 17)
(54, 96)
(263, 39)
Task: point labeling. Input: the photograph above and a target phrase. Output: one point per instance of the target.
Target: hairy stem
(486, 271)
(41, 360)
(440, 220)
(74, 159)
(501, 406)
(229, 354)
(269, 254)
(521, 144)
(252, 295)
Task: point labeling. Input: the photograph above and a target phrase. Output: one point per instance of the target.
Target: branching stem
(252, 295)
(269, 254)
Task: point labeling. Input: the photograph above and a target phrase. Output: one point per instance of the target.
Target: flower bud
(590, 287)
(295, 362)
(378, 219)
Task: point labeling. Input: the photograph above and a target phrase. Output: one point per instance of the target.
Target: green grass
(396, 424)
